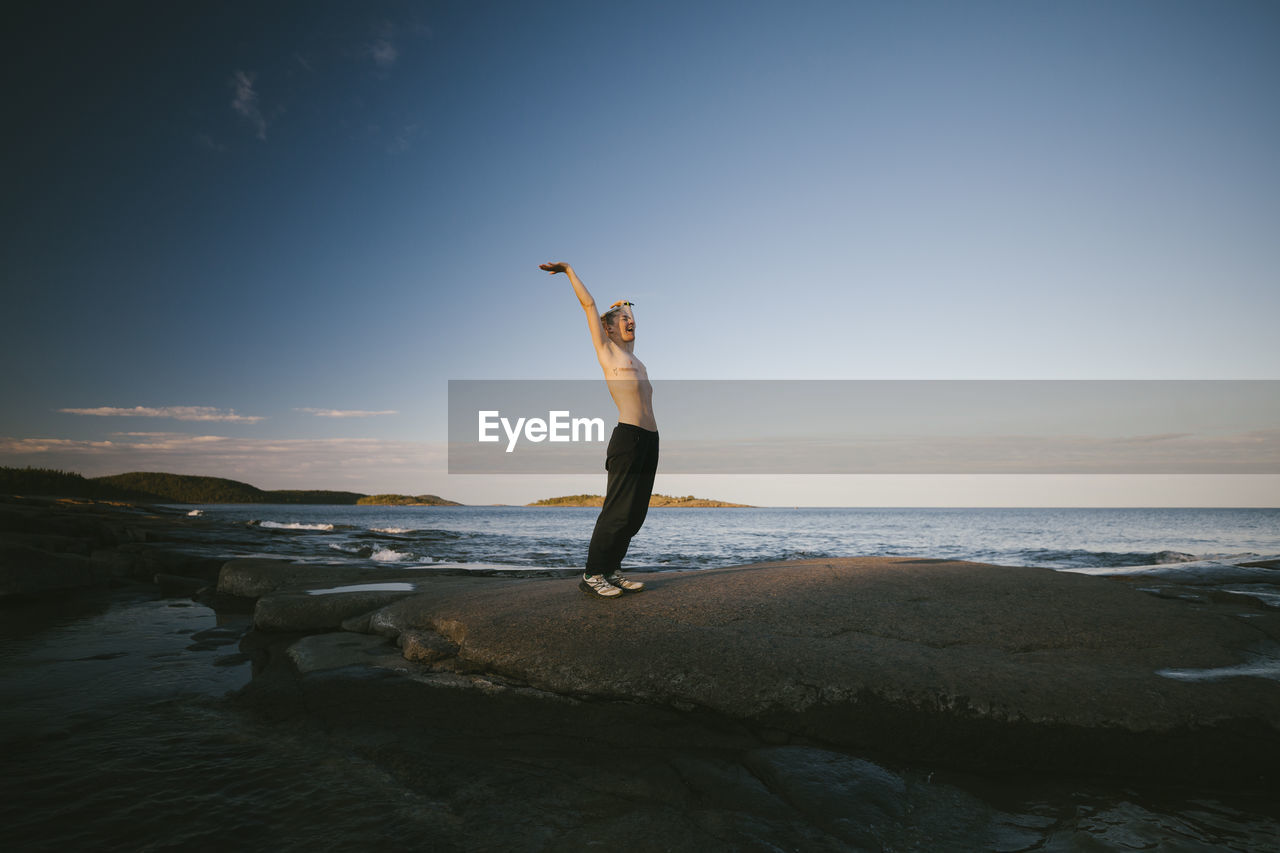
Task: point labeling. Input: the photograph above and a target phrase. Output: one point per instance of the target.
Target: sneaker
(597, 585)
(623, 583)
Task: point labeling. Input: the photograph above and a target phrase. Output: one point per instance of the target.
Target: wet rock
(730, 785)
(115, 562)
(176, 586)
(110, 543)
(656, 828)
(254, 577)
(358, 624)
(16, 519)
(87, 529)
(285, 612)
(337, 651)
(224, 604)
(152, 560)
(850, 798)
(960, 664)
(52, 542)
(26, 571)
(217, 638)
(425, 646)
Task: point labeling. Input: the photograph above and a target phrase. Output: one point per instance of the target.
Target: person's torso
(630, 388)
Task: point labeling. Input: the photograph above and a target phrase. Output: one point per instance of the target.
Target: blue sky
(238, 221)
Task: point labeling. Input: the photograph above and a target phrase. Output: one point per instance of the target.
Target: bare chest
(626, 367)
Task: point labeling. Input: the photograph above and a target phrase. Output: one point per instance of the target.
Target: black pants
(632, 462)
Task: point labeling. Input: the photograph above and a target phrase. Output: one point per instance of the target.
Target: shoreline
(914, 659)
(868, 703)
(987, 668)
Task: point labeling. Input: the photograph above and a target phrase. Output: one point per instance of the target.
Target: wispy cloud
(388, 37)
(208, 143)
(181, 413)
(141, 434)
(347, 413)
(384, 53)
(404, 140)
(246, 102)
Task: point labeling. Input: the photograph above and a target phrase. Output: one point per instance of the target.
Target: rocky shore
(935, 663)
(53, 546)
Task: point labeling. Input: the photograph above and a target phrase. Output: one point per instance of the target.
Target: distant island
(160, 488)
(155, 487)
(405, 500)
(654, 500)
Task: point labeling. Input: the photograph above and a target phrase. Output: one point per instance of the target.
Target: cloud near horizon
(379, 466)
(181, 413)
(360, 464)
(346, 413)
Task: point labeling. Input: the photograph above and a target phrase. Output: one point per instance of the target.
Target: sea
(700, 538)
(1201, 546)
(120, 728)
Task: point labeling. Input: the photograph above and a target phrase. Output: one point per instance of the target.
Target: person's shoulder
(610, 354)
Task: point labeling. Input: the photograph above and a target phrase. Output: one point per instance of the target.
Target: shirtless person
(632, 458)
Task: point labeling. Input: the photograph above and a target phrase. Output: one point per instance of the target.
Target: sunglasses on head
(621, 304)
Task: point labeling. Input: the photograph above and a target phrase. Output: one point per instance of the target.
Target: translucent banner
(878, 426)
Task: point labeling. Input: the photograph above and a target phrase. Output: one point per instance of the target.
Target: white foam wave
(1265, 593)
(390, 529)
(387, 555)
(1197, 573)
(351, 550)
(294, 525)
(1260, 667)
(196, 512)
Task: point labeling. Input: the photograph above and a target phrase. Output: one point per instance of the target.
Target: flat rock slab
(928, 659)
(950, 663)
(254, 577)
(285, 612)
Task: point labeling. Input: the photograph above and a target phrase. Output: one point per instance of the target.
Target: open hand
(554, 268)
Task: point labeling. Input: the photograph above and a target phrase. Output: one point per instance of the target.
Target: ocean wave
(291, 525)
(387, 555)
(413, 534)
(1258, 665)
(1193, 573)
(1077, 559)
(1268, 594)
(195, 513)
(365, 551)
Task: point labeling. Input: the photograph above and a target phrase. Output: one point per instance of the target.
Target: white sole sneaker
(597, 585)
(624, 583)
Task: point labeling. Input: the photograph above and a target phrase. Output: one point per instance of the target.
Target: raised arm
(598, 338)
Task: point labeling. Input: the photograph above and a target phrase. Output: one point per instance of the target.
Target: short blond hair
(609, 317)
(615, 309)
